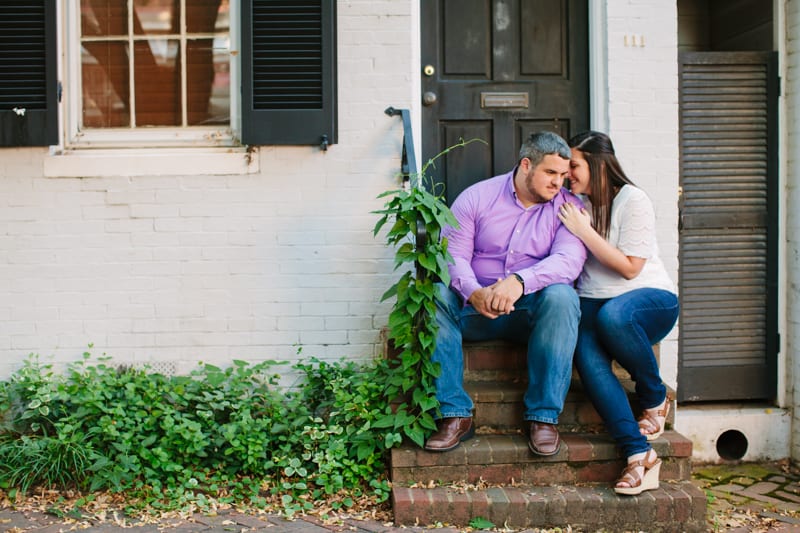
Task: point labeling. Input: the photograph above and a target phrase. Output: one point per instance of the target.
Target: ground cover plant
(217, 436)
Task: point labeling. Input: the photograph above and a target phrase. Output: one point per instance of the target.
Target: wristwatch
(521, 281)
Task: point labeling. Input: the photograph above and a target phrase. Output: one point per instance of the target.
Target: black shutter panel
(28, 85)
(728, 234)
(288, 71)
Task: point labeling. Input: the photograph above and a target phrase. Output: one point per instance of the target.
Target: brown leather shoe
(544, 439)
(452, 431)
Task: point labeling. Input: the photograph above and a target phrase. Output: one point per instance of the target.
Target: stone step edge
(582, 507)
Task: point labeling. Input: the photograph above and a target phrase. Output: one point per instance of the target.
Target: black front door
(498, 70)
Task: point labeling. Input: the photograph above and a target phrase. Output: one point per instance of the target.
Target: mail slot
(489, 100)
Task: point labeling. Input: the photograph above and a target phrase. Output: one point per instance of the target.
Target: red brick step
(673, 507)
(499, 359)
(498, 405)
(583, 458)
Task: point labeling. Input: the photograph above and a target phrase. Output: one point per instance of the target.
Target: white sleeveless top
(633, 231)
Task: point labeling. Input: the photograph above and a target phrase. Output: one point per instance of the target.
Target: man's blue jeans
(547, 321)
(624, 328)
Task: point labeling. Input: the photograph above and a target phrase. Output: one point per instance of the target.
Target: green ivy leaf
(415, 434)
(480, 522)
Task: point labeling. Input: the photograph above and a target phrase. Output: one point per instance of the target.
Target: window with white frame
(150, 72)
(155, 63)
(156, 73)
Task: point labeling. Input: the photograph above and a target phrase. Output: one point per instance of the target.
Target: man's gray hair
(542, 143)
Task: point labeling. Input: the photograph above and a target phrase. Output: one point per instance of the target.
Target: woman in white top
(628, 304)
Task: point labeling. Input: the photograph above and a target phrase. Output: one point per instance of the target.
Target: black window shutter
(728, 226)
(288, 71)
(28, 85)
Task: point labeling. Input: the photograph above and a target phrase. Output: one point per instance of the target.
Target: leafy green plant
(412, 327)
(480, 522)
(215, 436)
(49, 461)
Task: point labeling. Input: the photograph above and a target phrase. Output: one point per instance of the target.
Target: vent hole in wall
(732, 445)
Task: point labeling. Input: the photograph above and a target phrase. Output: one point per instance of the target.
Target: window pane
(134, 74)
(207, 16)
(158, 82)
(156, 17)
(208, 82)
(104, 74)
(104, 17)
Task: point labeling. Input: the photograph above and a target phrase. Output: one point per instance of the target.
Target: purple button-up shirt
(498, 236)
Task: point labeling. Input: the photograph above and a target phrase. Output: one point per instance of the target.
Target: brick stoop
(496, 477)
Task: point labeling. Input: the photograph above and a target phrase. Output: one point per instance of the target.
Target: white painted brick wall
(643, 120)
(792, 201)
(173, 270)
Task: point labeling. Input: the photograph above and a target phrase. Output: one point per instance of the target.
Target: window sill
(108, 162)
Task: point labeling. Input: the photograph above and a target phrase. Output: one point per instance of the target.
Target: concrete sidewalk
(763, 497)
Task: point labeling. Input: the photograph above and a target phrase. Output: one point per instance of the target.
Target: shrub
(216, 436)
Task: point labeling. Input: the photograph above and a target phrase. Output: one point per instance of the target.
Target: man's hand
(497, 299)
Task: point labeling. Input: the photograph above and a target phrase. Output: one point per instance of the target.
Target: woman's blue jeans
(546, 320)
(624, 328)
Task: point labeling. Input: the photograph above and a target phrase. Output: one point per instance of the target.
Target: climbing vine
(417, 218)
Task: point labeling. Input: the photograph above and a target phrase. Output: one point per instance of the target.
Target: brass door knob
(428, 70)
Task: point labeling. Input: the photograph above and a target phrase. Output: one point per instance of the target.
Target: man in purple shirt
(514, 265)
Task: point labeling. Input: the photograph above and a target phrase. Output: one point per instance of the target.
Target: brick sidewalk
(224, 522)
(747, 497)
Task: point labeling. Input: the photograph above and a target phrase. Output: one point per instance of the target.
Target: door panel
(477, 160)
(467, 39)
(498, 70)
(728, 226)
(545, 50)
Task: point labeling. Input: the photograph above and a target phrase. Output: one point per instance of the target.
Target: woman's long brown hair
(606, 176)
